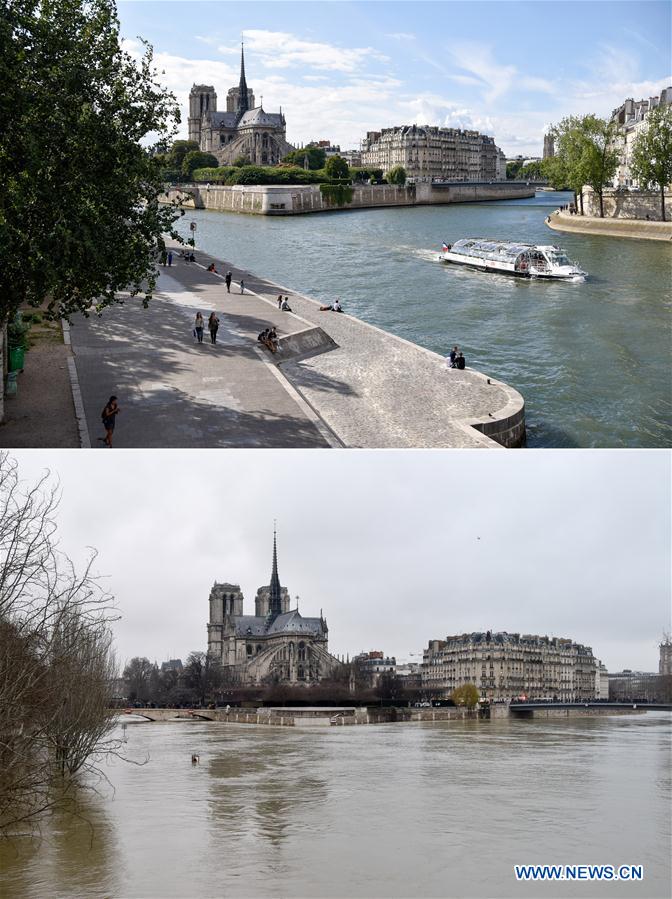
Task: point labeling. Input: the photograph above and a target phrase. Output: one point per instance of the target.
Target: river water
(591, 359)
(442, 809)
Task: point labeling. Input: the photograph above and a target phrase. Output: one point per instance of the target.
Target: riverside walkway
(336, 381)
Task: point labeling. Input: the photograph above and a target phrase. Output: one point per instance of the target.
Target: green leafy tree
(397, 175)
(554, 170)
(80, 220)
(513, 169)
(600, 159)
(196, 159)
(315, 155)
(651, 160)
(570, 144)
(336, 167)
(179, 149)
(466, 696)
(240, 161)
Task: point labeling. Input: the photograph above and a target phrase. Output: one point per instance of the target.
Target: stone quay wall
(301, 199)
(609, 227)
(627, 204)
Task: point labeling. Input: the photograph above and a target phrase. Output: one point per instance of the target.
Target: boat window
(557, 257)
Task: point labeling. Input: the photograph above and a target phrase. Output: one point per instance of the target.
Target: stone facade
(275, 645)
(243, 130)
(505, 666)
(665, 662)
(429, 152)
(630, 119)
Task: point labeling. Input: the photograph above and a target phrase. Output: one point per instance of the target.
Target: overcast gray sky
(397, 548)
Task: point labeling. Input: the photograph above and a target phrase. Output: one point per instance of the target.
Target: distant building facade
(244, 130)
(506, 666)
(638, 686)
(275, 645)
(630, 119)
(429, 152)
(375, 663)
(665, 661)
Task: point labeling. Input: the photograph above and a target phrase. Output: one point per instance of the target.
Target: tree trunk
(581, 201)
(662, 202)
(601, 206)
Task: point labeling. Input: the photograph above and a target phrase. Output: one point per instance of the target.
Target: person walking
(213, 325)
(242, 286)
(170, 258)
(227, 280)
(198, 327)
(108, 416)
(164, 257)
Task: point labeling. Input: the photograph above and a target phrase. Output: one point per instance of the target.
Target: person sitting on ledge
(335, 307)
(211, 268)
(460, 362)
(285, 305)
(279, 301)
(269, 338)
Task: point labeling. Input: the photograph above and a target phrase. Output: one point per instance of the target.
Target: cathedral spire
(275, 596)
(242, 86)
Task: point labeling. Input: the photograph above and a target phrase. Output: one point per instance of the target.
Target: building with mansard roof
(275, 645)
(243, 130)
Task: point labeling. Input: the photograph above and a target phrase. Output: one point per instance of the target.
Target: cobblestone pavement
(373, 390)
(378, 390)
(175, 392)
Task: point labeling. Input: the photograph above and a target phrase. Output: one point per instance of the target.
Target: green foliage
(255, 174)
(241, 161)
(651, 159)
(466, 696)
(17, 332)
(197, 159)
(213, 175)
(364, 173)
(554, 170)
(336, 167)
(336, 194)
(315, 155)
(174, 176)
(397, 175)
(80, 220)
(513, 169)
(583, 148)
(179, 149)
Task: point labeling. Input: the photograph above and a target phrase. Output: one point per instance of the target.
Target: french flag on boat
(445, 247)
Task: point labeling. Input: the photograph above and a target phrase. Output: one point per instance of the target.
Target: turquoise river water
(591, 359)
(440, 809)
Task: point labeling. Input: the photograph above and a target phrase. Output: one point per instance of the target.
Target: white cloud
(496, 79)
(281, 50)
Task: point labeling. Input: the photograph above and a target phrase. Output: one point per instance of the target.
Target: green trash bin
(16, 358)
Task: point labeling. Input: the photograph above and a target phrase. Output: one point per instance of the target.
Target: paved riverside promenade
(336, 381)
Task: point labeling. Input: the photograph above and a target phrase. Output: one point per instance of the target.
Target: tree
(315, 156)
(178, 151)
(467, 695)
(570, 143)
(138, 674)
(336, 167)
(196, 159)
(651, 160)
(56, 663)
(600, 160)
(80, 220)
(397, 175)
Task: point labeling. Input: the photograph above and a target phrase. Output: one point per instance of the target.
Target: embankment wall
(301, 199)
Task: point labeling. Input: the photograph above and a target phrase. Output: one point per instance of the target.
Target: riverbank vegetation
(56, 659)
(651, 162)
(80, 220)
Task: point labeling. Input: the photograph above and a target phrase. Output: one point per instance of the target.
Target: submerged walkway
(336, 381)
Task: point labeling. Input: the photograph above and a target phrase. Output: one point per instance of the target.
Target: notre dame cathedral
(243, 130)
(275, 645)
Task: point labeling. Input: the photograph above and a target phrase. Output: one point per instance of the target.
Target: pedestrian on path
(198, 327)
(108, 416)
(170, 258)
(213, 325)
(242, 286)
(164, 257)
(227, 279)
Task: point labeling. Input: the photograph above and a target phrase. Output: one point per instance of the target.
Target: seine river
(418, 810)
(591, 359)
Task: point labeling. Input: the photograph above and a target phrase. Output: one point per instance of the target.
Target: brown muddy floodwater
(422, 809)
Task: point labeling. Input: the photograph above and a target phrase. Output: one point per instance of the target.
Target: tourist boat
(520, 259)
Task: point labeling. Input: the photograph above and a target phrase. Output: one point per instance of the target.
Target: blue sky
(339, 69)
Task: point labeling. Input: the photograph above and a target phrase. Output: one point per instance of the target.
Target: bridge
(172, 714)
